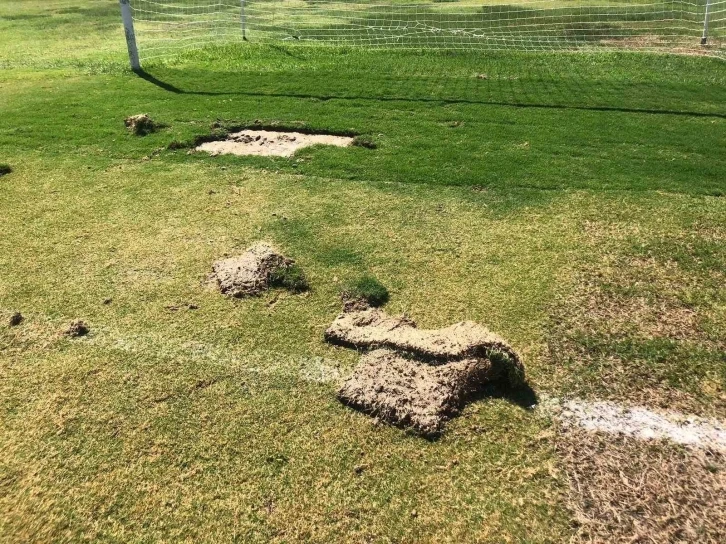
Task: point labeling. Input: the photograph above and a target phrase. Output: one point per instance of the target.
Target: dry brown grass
(625, 490)
(643, 322)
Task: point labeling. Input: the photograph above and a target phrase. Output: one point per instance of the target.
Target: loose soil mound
(419, 378)
(249, 274)
(268, 143)
(141, 124)
(77, 328)
(406, 392)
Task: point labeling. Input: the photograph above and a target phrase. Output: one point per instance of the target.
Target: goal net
(163, 27)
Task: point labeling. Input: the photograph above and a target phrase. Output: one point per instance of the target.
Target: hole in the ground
(269, 143)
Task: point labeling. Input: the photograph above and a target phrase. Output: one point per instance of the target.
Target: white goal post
(159, 28)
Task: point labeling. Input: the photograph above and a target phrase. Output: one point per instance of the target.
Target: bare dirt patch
(419, 378)
(255, 271)
(270, 143)
(625, 490)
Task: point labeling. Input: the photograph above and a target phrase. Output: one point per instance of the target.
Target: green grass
(290, 277)
(483, 25)
(504, 199)
(366, 288)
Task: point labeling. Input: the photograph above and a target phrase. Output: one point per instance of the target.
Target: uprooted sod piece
(141, 124)
(16, 319)
(363, 293)
(406, 392)
(419, 378)
(374, 328)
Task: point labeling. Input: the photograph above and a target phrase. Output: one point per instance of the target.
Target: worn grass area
(645, 319)
(210, 423)
(625, 490)
(511, 200)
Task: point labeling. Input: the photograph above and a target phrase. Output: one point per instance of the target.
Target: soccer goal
(156, 28)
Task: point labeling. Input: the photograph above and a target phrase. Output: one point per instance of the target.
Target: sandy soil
(269, 143)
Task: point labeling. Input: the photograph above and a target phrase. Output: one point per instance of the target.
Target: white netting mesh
(164, 27)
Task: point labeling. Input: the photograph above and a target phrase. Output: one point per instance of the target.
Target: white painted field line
(640, 423)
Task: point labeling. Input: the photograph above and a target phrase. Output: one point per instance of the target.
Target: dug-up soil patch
(270, 143)
(77, 328)
(419, 378)
(249, 274)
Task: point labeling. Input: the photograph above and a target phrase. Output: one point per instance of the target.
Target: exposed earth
(270, 142)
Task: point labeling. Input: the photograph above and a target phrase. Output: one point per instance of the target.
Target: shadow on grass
(522, 395)
(510, 121)
(543, 90)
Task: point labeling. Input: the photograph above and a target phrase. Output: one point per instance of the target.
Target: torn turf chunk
(249, 274)
(419, 378)
(373, 328)
(408, 393)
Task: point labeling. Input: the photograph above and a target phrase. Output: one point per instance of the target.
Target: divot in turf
(141, 124)
(77, 329)
(270, 143)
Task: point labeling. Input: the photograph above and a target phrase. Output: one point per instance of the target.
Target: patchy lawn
(574, 204)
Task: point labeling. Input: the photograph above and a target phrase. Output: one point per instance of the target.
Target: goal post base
(128, 21)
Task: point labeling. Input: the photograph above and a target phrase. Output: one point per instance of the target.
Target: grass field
(575, 204)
